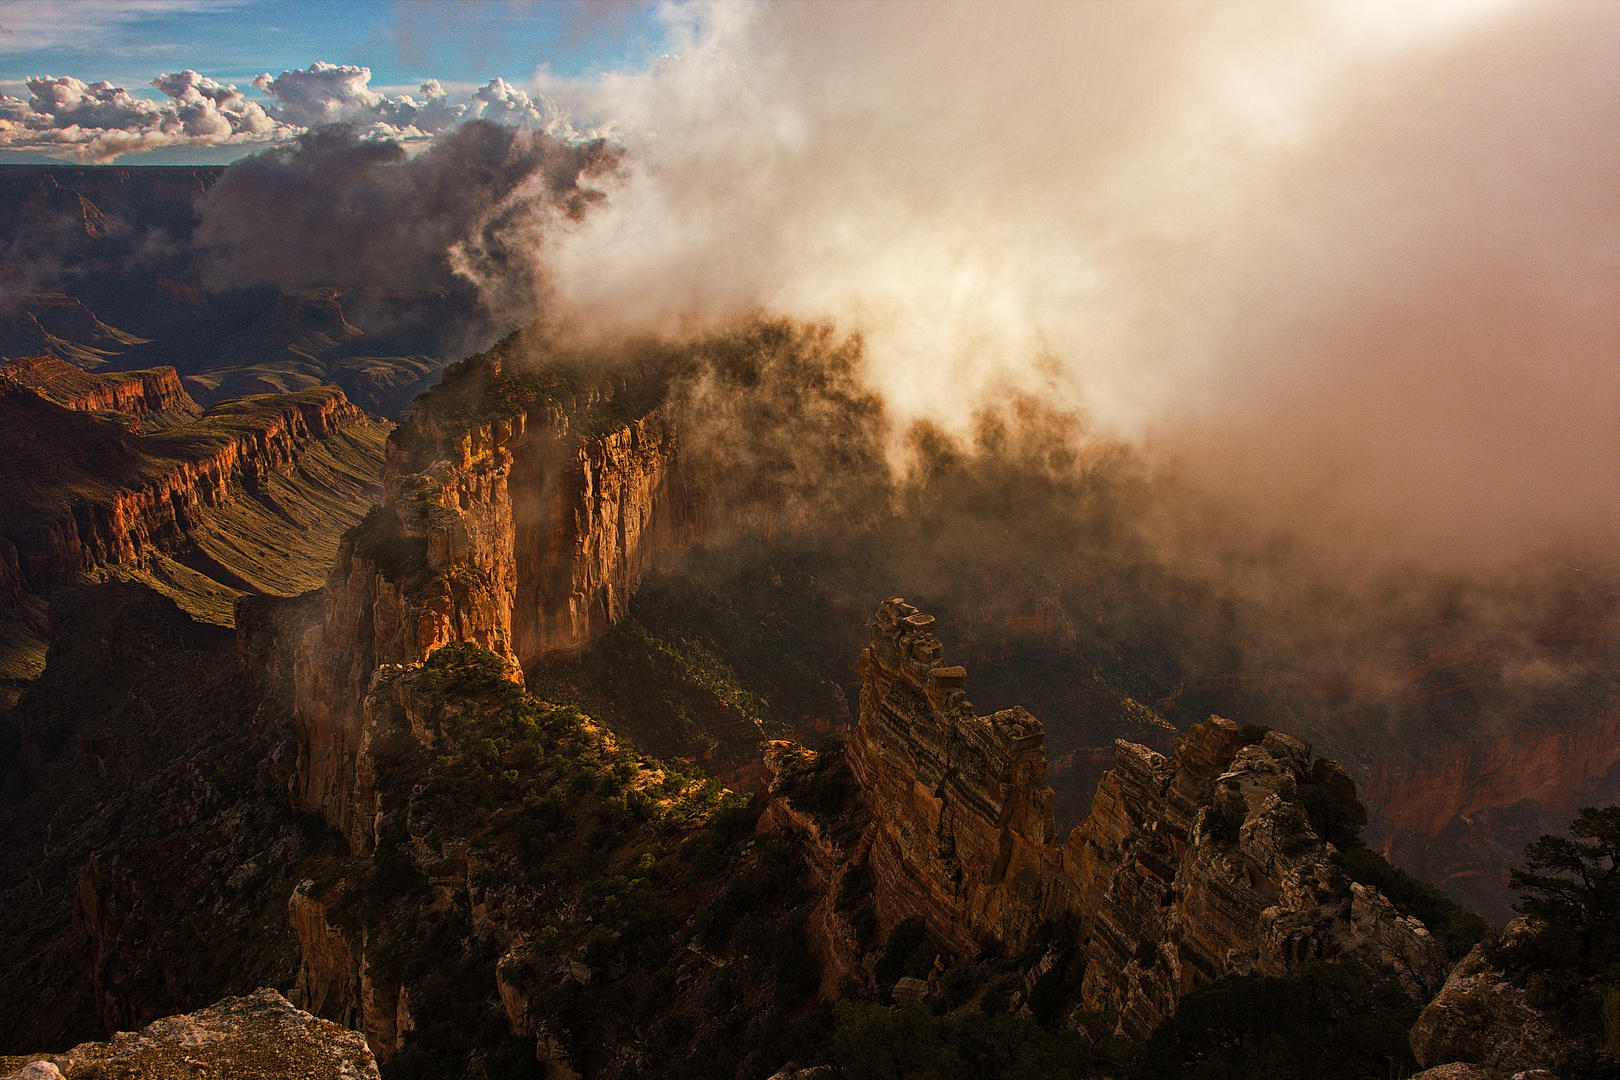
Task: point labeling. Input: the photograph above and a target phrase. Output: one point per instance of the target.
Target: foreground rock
(259, 1036)
(1482, 1018)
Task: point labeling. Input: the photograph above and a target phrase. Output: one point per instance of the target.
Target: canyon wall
(143, 396)
(523, 532)
(124, 500)
(964, 836)
(1188, 867)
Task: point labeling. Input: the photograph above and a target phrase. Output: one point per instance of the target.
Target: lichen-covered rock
(260, 1035)
(1481, 1017)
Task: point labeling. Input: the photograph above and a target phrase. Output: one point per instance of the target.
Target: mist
(1351, 269)
(335, 209)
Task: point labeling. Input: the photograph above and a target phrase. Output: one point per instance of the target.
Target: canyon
(328, 669)
(123, 475)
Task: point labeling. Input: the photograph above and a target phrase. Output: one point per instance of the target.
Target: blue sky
(404, 42)
(462, 43)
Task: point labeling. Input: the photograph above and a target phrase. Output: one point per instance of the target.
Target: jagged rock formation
(260, 1035)
(1188, 868)
(521, 528)
(1170, 904)
(964, 815)
(149, 398)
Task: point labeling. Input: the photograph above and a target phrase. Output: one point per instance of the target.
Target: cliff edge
(520, 510)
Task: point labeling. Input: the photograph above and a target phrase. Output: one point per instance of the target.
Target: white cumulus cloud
(99, 121)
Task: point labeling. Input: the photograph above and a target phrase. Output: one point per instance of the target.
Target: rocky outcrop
(1205, 864)
(1188, 867)
(964, 815)
(259, 1035)
(1483, 1018)
(525, 534)
(143, 396)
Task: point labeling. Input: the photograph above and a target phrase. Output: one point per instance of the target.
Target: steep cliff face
(519, 526)
(1187, 869)
(964, 815)
(148, 398)
(83, 495)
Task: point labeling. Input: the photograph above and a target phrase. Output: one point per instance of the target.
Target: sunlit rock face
(152, 398)
(1170, 893)
(257, 1035)
(523, 528)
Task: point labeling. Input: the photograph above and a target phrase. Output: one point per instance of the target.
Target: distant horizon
(262, 71)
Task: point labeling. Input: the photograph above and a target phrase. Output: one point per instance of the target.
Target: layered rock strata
(124, 500)
(259, 1035)
(1188, 867)
(524, 532)
(143, 396)
(964, 814)
(1170, 903)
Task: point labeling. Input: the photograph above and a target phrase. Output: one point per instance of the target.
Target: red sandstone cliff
(524, 532)
(155, 394)
(83, 494)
